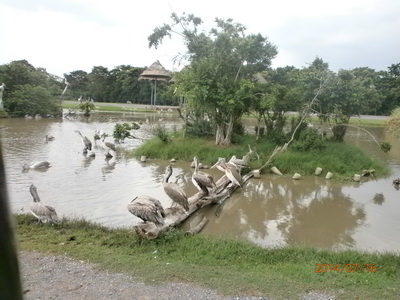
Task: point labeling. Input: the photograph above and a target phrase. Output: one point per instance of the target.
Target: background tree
(32, 100)
(222, 64)
(351, 95)
(79, 84)
(389, 89)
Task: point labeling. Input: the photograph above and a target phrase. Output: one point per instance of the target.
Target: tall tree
(389, 87)
(222, 63)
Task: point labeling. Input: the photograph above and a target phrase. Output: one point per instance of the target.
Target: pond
(269, 211)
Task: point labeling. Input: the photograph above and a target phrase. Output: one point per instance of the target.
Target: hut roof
(155, 72)
(260, 78)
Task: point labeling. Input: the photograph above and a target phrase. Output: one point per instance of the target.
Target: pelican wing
(43, 212)
(177, 195)
(148, 209)
(205, 179)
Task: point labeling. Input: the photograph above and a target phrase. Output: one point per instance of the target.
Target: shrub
(309, 139)
(161, 132)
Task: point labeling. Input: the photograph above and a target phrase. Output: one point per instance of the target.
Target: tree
(350, 95)
(79, 83)
(31, 100)
(222, 63)
(389, 88)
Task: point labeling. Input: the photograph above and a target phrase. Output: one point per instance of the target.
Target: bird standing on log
(174, 191)
(148, 209)
(43, 212)
(201, 180)
(230, 170)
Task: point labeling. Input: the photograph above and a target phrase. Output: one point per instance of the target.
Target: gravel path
(63, 278)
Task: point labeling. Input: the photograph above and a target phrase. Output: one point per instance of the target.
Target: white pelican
(201, 180)
(148, 209)
(174, 191)
(43, 212)
(42, 164)
(86, 142)
(230, 171)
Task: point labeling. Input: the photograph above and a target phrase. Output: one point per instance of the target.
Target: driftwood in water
(176, 215)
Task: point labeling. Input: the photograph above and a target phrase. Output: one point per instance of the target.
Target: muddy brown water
(269, 211)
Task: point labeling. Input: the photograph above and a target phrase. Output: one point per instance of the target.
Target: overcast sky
(68, 35)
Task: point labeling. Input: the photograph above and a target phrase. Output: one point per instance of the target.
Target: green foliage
(231, 267)
(341, 159)
(309, 140)
(394, 121)
(200, 128)
(160, 131)
(31, 100)
(123, 131)
(222, 65)
(3, 114)
(86, 106)
(386, 147)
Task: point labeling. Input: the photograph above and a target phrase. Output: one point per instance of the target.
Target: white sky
(68, 35)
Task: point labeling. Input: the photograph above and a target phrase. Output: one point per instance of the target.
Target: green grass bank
(230, 267)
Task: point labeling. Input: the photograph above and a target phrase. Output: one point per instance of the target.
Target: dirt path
(60, 277)
(63, 278)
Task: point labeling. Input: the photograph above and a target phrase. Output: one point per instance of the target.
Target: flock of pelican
(150, 209)
(46, 213)
(144, 207)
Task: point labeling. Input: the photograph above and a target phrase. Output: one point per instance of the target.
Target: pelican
(230, 171)
(148, 209)
(43, 212)
(174, 191)
(49, 138)
(109, 147)
(201, 180)
(86, 142)
(42, 164)
(240, 163)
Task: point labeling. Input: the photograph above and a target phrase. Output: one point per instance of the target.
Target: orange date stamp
(345, 268)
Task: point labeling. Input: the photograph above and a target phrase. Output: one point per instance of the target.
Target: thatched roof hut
(155, 72)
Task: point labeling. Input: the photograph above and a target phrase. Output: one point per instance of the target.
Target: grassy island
(342, 159)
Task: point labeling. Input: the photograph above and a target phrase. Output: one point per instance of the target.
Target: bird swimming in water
(86, 142)
(49, 138)
(42, 164)
(230, 170)
(201, 180)
(148, 209)
(43, 212)
(174, 191)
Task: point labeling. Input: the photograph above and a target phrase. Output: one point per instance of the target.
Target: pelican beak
(215, 165)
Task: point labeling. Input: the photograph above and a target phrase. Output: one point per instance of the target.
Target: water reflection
(277, 211)
(270, 211)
